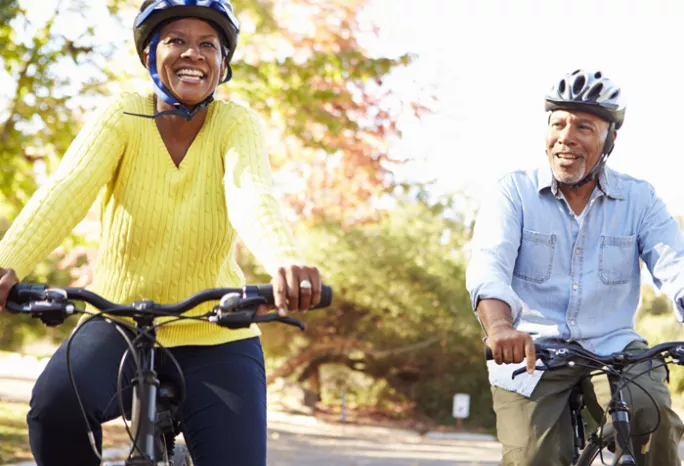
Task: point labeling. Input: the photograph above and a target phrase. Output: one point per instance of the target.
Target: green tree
(39, 116)
(656, 321)
(304, 67)
(300, 63)
(401, 314)
(37, 119)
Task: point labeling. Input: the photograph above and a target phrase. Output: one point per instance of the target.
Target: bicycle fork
(143, 410)
(619, 413)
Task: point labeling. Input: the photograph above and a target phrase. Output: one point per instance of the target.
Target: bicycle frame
(144, 406)
(619, 412)
(236, 309)
(556, 356)
(618, 431)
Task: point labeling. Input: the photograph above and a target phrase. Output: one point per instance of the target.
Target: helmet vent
(590, 91)
(594, 92)
(578, 85)
(561, 87)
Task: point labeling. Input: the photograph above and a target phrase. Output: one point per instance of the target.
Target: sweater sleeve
(253, 210)
(63, 201)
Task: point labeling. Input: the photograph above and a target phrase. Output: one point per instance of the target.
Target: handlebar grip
(489, 356)
(326, 296)
(266, 292)
(24, 292)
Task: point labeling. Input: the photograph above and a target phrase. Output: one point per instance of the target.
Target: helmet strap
(229, 73)
(165, 94)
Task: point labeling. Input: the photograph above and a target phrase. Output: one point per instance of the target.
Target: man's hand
(8, 278)
(511, 346)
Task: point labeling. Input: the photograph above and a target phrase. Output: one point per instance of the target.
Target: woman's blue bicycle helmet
(154, 14)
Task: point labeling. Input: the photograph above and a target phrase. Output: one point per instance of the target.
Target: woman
(179, 186)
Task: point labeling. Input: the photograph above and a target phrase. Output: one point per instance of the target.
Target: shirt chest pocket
(618, 259)
(535, 256)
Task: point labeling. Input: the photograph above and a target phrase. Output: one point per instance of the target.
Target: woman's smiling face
(190, 60)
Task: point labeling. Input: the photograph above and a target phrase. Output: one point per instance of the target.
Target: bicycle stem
(619, 412)
(145, 387)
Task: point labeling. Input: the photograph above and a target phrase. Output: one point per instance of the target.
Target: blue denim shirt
(567, 276)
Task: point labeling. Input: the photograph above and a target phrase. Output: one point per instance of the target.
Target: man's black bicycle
(616, 435)
(153, 422)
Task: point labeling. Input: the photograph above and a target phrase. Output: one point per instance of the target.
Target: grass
(13, 434)
(14, 445)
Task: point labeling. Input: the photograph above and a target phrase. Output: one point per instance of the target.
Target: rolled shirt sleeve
(495, 245)
(661, 247)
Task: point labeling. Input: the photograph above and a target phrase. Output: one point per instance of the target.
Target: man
(556, 254)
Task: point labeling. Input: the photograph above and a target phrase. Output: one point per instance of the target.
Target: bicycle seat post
(145, 387)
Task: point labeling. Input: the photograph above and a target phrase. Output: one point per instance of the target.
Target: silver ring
(305, 284)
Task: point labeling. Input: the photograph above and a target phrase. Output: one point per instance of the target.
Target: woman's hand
(8, 278)
(295, 287)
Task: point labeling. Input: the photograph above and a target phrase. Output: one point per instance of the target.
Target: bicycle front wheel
(593, 449)
(181, 455)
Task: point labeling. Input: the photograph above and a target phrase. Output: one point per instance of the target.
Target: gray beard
(565, 177)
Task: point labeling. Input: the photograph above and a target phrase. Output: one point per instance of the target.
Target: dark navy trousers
(223, 417)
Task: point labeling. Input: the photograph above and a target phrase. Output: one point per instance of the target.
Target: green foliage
(37, 123)
(654, 303)
(303, 67)
(656, 321)
(401, 314)
(401, 325)
(17, 330)
(12, 431)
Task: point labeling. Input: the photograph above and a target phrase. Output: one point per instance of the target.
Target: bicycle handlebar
(564, 353)
(236, 309)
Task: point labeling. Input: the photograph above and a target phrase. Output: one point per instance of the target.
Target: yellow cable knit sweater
(166, 231)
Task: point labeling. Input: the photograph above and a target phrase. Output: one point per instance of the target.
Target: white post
(344, 406)
(461, 408)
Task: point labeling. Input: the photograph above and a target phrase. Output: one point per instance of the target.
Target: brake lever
(51, 313)
(285, 320)
(241, 318)
(545, 367)
(677, 355)
(522, 370)
(239, 311)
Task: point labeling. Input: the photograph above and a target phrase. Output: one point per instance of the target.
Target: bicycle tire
(592, 450)
(181, 455)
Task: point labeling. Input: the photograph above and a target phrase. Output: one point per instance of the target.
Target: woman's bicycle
(614, 436)
(153, 422)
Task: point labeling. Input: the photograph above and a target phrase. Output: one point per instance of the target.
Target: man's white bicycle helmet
(590, 92)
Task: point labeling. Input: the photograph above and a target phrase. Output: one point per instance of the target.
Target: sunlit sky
(490, 62)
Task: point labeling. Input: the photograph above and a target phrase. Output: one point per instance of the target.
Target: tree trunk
(315, 351)
(315, 382)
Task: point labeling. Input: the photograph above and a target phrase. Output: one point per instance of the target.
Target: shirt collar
(608, 183)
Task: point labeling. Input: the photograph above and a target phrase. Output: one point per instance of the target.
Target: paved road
(357, 446)
(289, 449)
(296, 442)
(15, 389)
